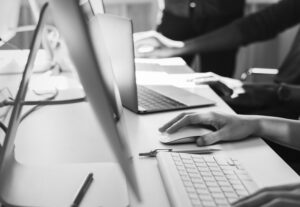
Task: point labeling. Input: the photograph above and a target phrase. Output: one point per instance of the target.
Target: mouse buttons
(166, 138)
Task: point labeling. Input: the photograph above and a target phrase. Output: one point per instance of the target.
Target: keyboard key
(230, 195)
(151, 100)
(200, 186)
(196, 202)
(206, 197)
(188, 183)
(197, 181)
(185, 178)
(190, 190)
(193, 195)
(208, 204)
(218, 196)
(231, 200)
(242, 193)
(238, 187)
(214, 189)
(221, 201)
(212, 184)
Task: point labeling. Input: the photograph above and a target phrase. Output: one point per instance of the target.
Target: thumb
(209, 139)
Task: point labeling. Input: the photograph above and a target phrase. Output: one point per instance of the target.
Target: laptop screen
(8, 145)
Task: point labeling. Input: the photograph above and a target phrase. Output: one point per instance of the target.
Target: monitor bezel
(15, 118)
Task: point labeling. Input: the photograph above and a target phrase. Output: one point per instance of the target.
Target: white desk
(60, 134)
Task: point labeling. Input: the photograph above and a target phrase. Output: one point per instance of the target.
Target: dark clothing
(262, 26)
(270, 22)
(207, 16)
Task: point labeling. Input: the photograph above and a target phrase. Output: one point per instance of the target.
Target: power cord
(39, 104)
(45, 102)
(35, 108)
(3, 127)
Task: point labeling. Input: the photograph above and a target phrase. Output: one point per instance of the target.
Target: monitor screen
(96, 75)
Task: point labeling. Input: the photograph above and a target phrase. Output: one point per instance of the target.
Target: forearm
(228, 37)
(281, 131)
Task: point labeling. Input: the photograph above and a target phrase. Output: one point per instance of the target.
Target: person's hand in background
(227, 127)
(152, 44)
(279, 196)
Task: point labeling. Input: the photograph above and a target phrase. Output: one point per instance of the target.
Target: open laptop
(57, 185)
(117, 33)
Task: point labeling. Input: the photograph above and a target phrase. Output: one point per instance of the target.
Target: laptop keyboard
(151, 100)
(208, 180)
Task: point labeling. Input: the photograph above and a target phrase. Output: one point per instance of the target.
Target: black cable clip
(153, 153)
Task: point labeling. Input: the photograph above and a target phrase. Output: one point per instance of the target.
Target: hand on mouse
(228, 127)
(152, 44)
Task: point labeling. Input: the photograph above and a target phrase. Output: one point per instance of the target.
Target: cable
(3, 127)
(46, 102)
(40, 104)
(35, 108)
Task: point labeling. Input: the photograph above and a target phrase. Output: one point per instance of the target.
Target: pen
(195, 151)
(83, 190)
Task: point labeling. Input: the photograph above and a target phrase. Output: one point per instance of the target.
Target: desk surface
(63, 134)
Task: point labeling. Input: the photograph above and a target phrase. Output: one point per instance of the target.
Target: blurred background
(146, 13)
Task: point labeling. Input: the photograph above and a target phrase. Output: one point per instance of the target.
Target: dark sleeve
(212, 14)
(270, 21)
(219, 8)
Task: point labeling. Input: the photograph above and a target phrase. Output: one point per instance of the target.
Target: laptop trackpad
(181, 95)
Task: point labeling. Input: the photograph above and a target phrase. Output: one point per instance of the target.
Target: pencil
(81, 193)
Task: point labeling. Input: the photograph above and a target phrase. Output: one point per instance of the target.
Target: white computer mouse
(186, 134)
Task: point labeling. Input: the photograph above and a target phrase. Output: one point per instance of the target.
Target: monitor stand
(57, 185)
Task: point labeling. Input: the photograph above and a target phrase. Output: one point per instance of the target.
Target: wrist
(190, 47)
(255, 124)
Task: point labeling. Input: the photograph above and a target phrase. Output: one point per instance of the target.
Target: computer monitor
(35, 9)
(87, 50)
(24, 184)
(9, 18)
(92, 7)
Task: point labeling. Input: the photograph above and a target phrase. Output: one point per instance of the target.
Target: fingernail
(200, 141)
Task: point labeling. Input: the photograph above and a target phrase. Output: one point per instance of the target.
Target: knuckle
(187, 119)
